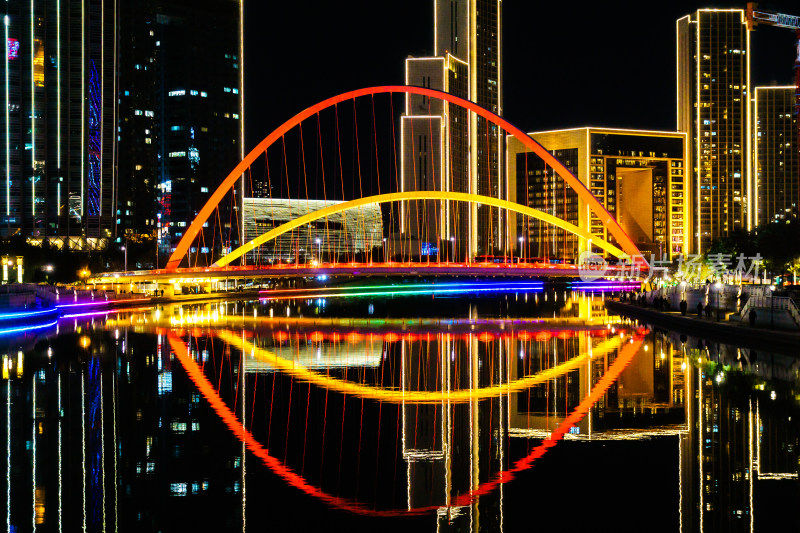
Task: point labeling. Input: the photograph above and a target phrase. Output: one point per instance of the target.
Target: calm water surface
(504, 412)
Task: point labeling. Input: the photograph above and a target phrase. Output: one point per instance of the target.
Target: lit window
(148, 113)
(226, 89)
(164, 383)
(138, 167)
(179, 92)
(137, 112)
(176, 128)
(236, 116)
(203, 94)
(194, 93)
(178, 489)
(203, 189)
(235, 90)
(177, 154)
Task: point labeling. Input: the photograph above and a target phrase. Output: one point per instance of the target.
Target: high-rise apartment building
(776, 158)
(637, 175)
(182, 119)
(713, 107)
(59, 92)
(444, 147)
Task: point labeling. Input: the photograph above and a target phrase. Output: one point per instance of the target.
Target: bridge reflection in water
(426, 419)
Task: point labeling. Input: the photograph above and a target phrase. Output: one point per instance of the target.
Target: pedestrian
(752, 317)
(683, 306)
(699, 309)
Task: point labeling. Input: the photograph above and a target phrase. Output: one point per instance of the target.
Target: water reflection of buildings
(450, 449)
(98, 435)
(90, 408)
(728, 447)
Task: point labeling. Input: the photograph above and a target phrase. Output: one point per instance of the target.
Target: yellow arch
(399, 396)
(417, 195)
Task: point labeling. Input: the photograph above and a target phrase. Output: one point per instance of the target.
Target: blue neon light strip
(26, 314)
(27, 328)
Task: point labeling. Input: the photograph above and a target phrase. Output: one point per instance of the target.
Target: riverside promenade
(726, 332)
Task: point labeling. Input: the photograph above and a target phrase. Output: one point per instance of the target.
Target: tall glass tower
(59, 122)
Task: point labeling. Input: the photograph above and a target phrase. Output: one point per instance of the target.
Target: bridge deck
(528, 270)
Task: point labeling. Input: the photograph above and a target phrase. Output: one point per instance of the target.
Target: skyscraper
(58, 126)
(181, 94)
(713, 90)
(445, 148)
(776, 158)
(138, 129)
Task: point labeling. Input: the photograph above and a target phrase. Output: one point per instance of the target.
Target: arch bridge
(226, 267)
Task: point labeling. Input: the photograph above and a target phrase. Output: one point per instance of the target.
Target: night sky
(611, 64)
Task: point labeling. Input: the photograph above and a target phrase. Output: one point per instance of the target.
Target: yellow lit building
(713, 94)
(776, 158)
(638, 175)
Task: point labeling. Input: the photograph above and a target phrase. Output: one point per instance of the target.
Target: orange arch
(596, 207)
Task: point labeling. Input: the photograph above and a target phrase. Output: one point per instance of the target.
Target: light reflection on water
(218, 415)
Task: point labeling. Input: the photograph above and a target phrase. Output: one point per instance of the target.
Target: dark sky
(565, 64)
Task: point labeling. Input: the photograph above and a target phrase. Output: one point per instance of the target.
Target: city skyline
(372, 44)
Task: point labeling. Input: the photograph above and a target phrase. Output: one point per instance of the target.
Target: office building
(637, 175)
(58, 125)
(339, 236)
(181, 120)
(444, 147)
(776, 161)
(713, 95)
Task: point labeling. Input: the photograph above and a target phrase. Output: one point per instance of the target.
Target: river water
(503, 411)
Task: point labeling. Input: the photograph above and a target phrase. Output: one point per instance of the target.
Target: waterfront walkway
(726, 332)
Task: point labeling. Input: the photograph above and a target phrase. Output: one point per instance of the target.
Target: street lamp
(384, 250)
(47, 269)
(319, 249)
(521, 240)
(125, 249)
(718, 285)
(84, 274)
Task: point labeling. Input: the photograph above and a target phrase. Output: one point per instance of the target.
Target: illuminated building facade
(713, 108)
(338, 236)
(58, 152)
(182, 119)
(637, 175)
(776, 158)
(445, 148)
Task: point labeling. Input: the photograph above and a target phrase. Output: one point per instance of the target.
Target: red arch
(597, 208)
